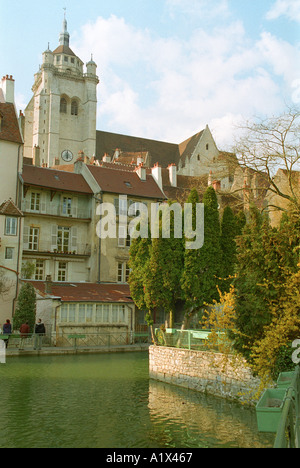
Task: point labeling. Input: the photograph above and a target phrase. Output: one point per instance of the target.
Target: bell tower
(60, 119)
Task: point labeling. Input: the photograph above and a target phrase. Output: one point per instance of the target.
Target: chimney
(141, 171)
(48, 284)
(106, 158)
(117, 153)
(156, 174)
(173, 174)
(216, 185)
(8, 88)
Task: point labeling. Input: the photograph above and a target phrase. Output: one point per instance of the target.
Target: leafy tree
(263, 267)
(162, 281)
(203, 267)
(26, 307)
(139, 256)
(229, 230)
(272, 354)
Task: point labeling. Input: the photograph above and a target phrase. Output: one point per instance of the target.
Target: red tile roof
(9, 130)
(9, 208)
(125, 182)
(87, 292)
(54, 179)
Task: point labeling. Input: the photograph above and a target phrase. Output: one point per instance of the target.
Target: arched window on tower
(63, 106)
(74, 108)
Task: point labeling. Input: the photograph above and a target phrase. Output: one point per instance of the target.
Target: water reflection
(204, 420)
(107, 401)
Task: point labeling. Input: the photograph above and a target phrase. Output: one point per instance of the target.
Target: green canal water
(108, 401)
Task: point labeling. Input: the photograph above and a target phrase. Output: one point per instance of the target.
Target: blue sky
(167, 67)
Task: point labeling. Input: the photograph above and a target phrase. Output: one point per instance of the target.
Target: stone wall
(207, 372)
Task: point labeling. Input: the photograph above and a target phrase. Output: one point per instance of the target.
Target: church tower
(60, 119)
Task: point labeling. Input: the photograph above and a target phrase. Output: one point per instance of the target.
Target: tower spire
(64, 37)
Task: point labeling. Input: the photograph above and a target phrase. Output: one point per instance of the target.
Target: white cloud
(169, 88)
(204, 9)
(288, 8)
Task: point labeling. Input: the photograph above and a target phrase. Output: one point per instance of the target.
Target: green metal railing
(187, 339)
(288, 431)
(78, 340)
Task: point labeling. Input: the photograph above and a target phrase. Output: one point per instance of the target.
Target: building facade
(60, 119)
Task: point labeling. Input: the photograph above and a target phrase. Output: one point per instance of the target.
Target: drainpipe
(99, 200)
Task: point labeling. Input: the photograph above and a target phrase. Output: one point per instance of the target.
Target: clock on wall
(67, 155)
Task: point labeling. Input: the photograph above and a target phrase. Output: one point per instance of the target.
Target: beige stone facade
(60, 119)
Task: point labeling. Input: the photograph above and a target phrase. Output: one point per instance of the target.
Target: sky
(167, 68)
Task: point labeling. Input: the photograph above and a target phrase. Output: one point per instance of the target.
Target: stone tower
(60, 119)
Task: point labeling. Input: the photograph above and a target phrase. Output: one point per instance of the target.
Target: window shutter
(74, 239)
(43, 203)
(53, 237)
(26, 238)
(74, 207)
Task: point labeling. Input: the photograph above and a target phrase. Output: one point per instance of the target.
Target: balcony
(46, 249)
(56, 210)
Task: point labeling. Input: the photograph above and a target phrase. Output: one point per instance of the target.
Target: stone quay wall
(208, 372)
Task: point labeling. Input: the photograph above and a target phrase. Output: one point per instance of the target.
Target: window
(118, 313)
(62, 271)
(67, 206)
(66, 58)
(58, 59)
(33, 238)
(63, 238)
(39, 270)
(63, 106)
(123, 272)
(207, 146)
(11, 226)
(9, 253)
(93, 313)
(35, 201)
(74, 108)
(102, 313)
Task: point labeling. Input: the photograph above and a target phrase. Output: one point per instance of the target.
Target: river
(108, 401)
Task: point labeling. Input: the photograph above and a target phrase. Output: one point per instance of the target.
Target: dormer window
(63, 106)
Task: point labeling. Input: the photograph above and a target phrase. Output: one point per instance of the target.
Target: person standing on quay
(39, 333)
(24, 330)
(7, 330)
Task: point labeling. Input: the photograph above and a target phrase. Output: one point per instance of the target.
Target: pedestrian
(24, 330)
(7, 330)
(39, 333)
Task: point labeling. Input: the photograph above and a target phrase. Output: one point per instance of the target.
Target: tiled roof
(54, 179)
(63, 49)
(127, 182)
(9, 130)
(9, 208)
(159, 151)
(87, 292)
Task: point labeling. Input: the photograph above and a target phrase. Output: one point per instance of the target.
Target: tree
(229, 231)
(266, 257)
(269, 144)
(284, 328)
(162, 281)
(203, 268)
(26, 307)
